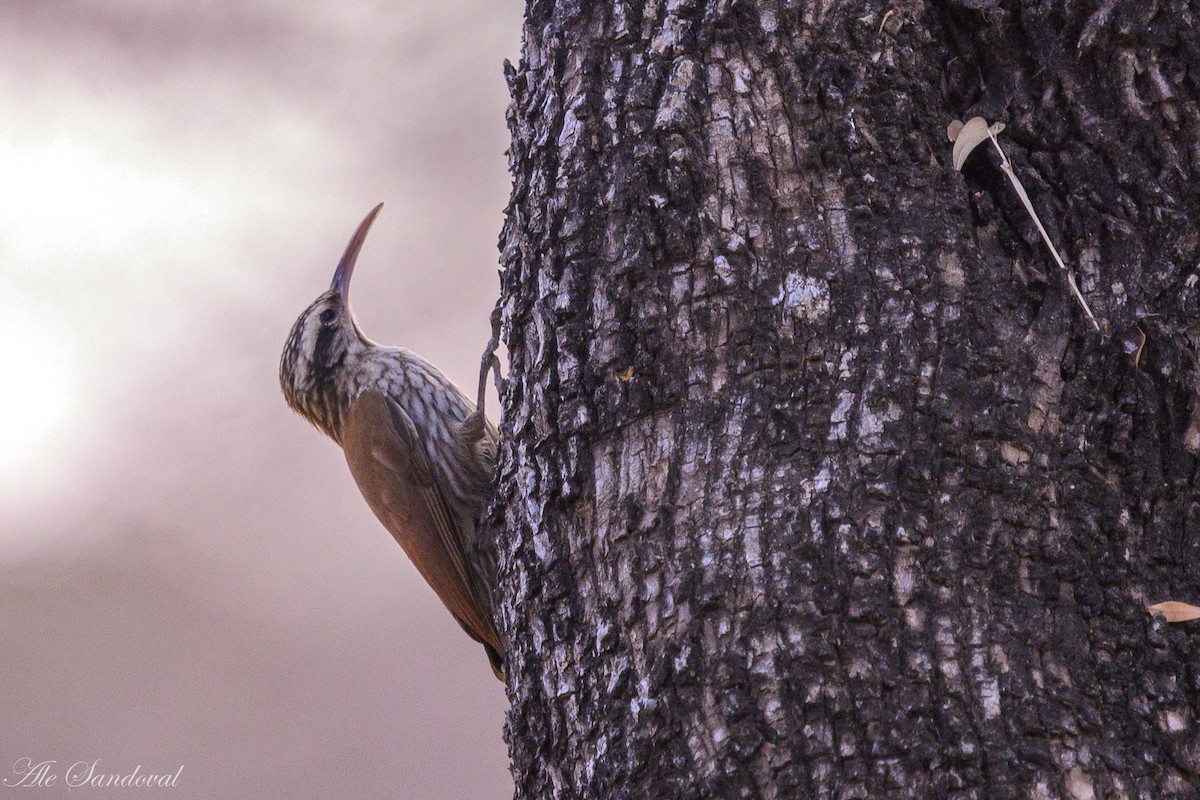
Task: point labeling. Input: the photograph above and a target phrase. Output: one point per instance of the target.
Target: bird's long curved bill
(345, 267)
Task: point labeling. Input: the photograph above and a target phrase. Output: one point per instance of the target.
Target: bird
(420, 451)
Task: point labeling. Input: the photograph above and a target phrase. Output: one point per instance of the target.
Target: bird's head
(320, 363)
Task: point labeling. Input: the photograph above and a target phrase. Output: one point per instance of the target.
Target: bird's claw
(489, 361)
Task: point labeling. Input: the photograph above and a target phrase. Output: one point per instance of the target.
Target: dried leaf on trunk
(1173, 611)
(972, 133)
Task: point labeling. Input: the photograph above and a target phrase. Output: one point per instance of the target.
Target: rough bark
(815, 481)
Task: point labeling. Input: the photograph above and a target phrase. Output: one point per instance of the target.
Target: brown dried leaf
(953, 128)
(969, 137)
(1173, 611)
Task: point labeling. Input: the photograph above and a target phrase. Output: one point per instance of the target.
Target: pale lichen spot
(1173, 721)
(816, 485)
(841, 238)
(767, 20)
(1012, 454)
(951, 270)
(990, 694)
(838, 419)
(904, 576)
(724, 270)
(753, 543)
(1041, 791)
(871, 423)
(1079, 785)
(914, 618)
(773, 709)
(541, 547)
(804, 297)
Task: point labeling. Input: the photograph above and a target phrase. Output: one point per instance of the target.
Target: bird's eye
(328, 315)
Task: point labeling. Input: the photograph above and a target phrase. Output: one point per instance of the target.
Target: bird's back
(426, 480)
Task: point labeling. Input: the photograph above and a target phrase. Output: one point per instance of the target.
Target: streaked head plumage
(316, 371)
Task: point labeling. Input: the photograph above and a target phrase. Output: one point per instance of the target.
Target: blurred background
(188, 573)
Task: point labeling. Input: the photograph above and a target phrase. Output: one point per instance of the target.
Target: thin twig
(1137, 357)
(1012, 177)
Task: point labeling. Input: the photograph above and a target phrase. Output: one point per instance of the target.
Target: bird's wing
(392, 469)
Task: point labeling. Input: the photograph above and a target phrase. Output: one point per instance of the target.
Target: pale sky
(189, 575)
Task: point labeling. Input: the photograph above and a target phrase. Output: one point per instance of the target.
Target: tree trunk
(816, 481)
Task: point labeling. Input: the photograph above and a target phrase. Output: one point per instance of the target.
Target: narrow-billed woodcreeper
(419, 450)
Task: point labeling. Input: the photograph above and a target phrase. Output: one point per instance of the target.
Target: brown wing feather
(392, 469)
